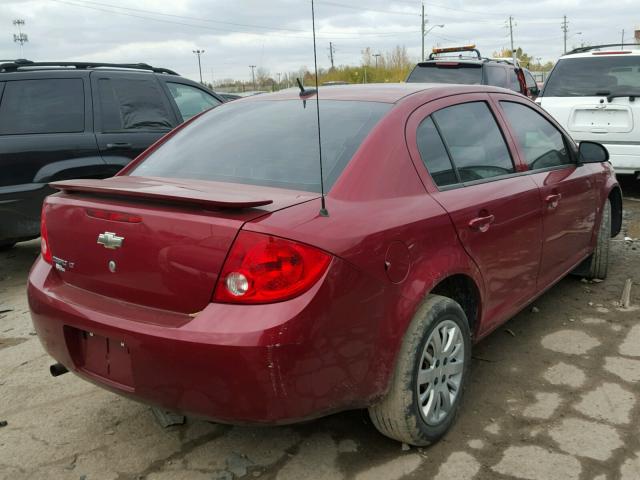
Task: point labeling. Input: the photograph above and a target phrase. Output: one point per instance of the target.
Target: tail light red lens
(265, 269)
(45, 249)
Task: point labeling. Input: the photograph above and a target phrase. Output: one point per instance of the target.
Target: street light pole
(565, 29)
(253, 76)
(425, 33)
(20, 38)
(376, 55)
(198, 53)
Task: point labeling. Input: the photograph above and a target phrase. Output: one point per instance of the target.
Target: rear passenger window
(42, 106)
(542, 143)
(434, 154)
(132, 104)
(496, 76)
(474, 140)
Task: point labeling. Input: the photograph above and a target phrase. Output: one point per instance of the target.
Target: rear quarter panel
(380, 211)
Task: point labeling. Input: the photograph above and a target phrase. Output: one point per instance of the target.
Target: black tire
(599, 261)
(399, 415)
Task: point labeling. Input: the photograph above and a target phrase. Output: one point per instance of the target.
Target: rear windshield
(591, 76)
(269, 143)
(462, 73)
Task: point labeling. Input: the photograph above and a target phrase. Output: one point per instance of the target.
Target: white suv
(594, 92)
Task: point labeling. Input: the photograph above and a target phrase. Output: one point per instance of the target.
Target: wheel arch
(615, 197)
(463, 289)
(82, 167)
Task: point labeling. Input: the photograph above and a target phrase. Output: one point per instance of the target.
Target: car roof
(23, 65)
(379, 92)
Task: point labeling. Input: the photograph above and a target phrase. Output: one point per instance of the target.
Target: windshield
(269, 143)
(462, 73)
(597, 75)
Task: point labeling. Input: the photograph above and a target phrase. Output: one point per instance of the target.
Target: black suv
(62, 120)
(470, 70)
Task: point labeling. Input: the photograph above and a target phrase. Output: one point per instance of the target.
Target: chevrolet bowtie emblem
(110, 240)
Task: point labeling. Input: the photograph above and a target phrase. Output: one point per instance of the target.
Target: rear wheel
(599, 261)
(430, 375)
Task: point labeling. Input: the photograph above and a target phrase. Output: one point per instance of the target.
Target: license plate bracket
(105, 357)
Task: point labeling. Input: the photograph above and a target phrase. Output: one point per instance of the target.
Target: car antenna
(305, 92)
(323, 208)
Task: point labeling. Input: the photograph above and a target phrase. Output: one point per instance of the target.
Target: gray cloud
(276, 35)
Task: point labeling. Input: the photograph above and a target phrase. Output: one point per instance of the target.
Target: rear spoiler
(201, 193)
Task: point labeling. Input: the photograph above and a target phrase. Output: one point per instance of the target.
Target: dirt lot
(554, 395)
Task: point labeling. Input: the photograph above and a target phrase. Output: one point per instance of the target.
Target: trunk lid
(159, 243)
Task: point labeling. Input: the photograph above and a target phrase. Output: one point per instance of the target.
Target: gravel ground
(553, 395)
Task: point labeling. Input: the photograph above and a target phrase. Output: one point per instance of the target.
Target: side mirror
(592, 152)
(534, 91)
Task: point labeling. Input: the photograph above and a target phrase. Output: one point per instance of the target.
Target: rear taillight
(264, 269)
(45, 249)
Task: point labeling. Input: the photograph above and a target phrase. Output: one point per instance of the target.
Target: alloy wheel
(440, 372)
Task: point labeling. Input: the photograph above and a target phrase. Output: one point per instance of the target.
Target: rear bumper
(269, 364)
(20, 207)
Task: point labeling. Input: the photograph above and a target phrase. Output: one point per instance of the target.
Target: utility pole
(20, 37)
(279, 84)
(513, 51)
(198, 53)
(376, 55)
(565, 29)
(622, 42)
(253, 76)
(332, 50)
(423, 34)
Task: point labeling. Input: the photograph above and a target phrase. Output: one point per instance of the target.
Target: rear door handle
(481, 223)
(114, 146)
(553, 200)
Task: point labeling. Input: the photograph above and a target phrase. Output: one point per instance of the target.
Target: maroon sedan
(204, 278)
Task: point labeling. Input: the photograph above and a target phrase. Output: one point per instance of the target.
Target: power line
(221, 29)
(359, 8)
(455, 9)
(208, 20)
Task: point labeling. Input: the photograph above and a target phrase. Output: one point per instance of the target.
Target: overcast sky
(276, 35)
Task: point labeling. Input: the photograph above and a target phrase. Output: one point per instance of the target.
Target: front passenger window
(542, 143)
